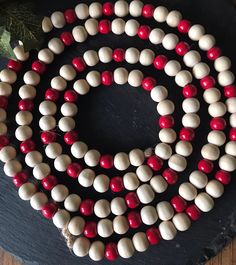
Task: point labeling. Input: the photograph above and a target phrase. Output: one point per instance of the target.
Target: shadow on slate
(118, 119)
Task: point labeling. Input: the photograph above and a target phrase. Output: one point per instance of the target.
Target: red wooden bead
(118, 55)
(16, 66)
(86, 207)
(207, 82)
(153, 235)
(74, 169)
(107, 78)
(193, 212)
(49, 209)
(148, 83)
(116, 184)
(184, 26)
(166, 121)
(39, 67)
(186, 134)
(178, 203)
(134, 219)
(3, 102)
(213, 53)
(132, 200)
(111, 252)
(4, 141)
(148, 11)
(70, 96)
(232, 134)
(182, 48)
(230, 91)
(223, 176)
(49, 182)
(79, 64)
(48, 137)
(160, 62)
(26, 104)
(170, 176)
(90, 229)
(106, 161)
(108, 9)
(144, 32)
(218, 124)
(205, 166)
(20, 178)
(52, 94)
(71, 137)
(67, 38)
(27, 146)
(155, 163)
(189, 91)
(104, 26)
(70, 16)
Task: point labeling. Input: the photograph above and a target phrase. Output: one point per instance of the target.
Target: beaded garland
(150, 177)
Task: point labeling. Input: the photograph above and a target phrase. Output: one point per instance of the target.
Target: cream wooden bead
(79, 33)
(81, 247)
(201, 70)
(61, 219)
(67, 72)
(118, 206)
(163, 151)
(158, 184)
(132, 55)
(211, 95)
(62, 162)
(125, 248)
(47, 107)
(101, 183)
(92, 158)
(147, 57)
(183, 78)
(170, 41)
(191, 120)
(167, 135)
(144, 173)
(148, 215)
(232, 120)
(41, 170)
(46, 56)
(145, 193)
(172, 68)
(26, 191)
(140, 241)
(135, 78)
(7, 153)
(120, 224)
(167, 230)
(131, 27)
(196, 32)
(217, 109)
(160, 14)
(5, 89)
(216, 137)
(204, 202)
(91, 26)
(23, 133)
(177, 163)
(231, 104)
(95, 10)
(227, 163)
(206, 42)
(76, 226)
(226, 78)
(81, 87)
(102, 208)
(8, 76)
(118, 26)
(47, 123)
(105, 54)
(222, 64)
(120, 76)
(159, 93)
(72, 203)
(93, 78)
(24, 117)
(27, 92)
(58, 19)
(3, 115)
(131, 181)
(121, 161)
(56, 46)
(184, 148)
(214, 188)
(105, 228)
(198, 179)
(31, 78)
(91, 57)
(69, 109)
(38, 200)
(165, 107)
(164, 210)
(136, 157)
(230, 148)
(181, 221)
(135, 8)
(156, 36)
(121, 8)
(33, 158)
(210, 152)
(79, 149)
(3, 128)
(20, 53)
(187, 191)
(173, 18)
(96, 251)
(47, 25)
(82, 11)
(12, 167)
(86, 177)
(66, 124)
(59, 193)
(58, 83)
(192, 58)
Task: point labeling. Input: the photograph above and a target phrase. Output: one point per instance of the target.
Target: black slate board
(120, 118)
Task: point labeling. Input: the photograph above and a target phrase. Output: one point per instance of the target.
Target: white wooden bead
(102, 208)
(216, 137)
(135, 8)
(198, 179)
(160, 14)
(158, 184)
(91, 57)
(8, 76)
(31, 78)
(181, 221)
(131, 181)
(105, 228)
(67, 72)
(227, 163)
(61, 219)
(217, 109)
(201, 70)
(41, 170)
(5, 89)
(120, 225)
(59, 193)
(140, 241)
(146, 57)
(131, 27)
(81, 86)
(145, 194)
(118, 26)
(23, 133)
(132, 55)
(173, 18)
(204, 202)
(47, 25)
(165, 107)
(206, 42)
(121, 8)
(58, 83)
(33, 158)
(79, 149)
(230, 148)
(190, 105)
(47, 123)
(26, 191)
(91, 26)
(7, 153)
(120, 76)
(196, 32)
(79, 33)
(183, 78)
(38, 200)
(231, 104)
(172, 68)
(3, 128)
(76, 226)
(211, 95)
(47, 107)
(96, 251)
(136, 157)
(58, 19)
(56, 46)
(121, 161)
(164, 210)
(20, 53)
(46, 56)
(69, 109)
(105, 54)
(95, 10)
(167, 230)
(66, 124)
(144, 173)
(177, 163)
(125, 248)
(167, 135)
(156, 36)
(81, 247)
(170, 41)
(12, 167)
(72, 203)
(93, 78)
(159, 93)
(232, 120)
(184, 148)
(187, 191)
(210, 152)
(148, 215)
(222, 64)
(163, 151)
(226, 78)
(86, 177)
(135, 78)
(3, 115)
(191, 120)
(118, 206)
(92, 158)
(214, 188)
(101, 183)
(62, 162)
(192, 58)
(82, 11)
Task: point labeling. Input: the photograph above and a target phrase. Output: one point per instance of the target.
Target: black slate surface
(118, 119)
